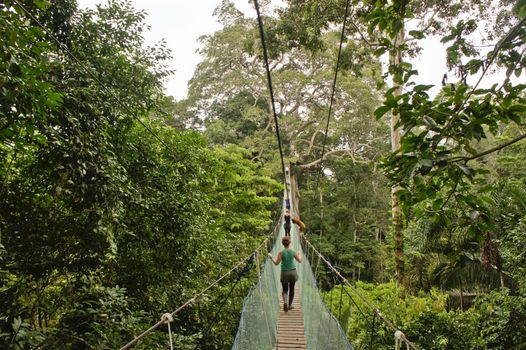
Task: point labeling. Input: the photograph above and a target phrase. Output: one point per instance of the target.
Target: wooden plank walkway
(291, 332)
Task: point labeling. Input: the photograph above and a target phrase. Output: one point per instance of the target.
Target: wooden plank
(297, 328)
(292, 342)
(291, 331)
(287, 339)
(291, 346)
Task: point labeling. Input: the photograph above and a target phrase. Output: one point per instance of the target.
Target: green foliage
(228, 91)
(495, 321)
(20, 337)
(109, 217)
(352, 231)
(441, 138)
(95, 317)
(503, 316)
(414, 315)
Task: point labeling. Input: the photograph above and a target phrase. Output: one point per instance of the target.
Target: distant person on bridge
(286, 223)
(289, 275)
(296, 220)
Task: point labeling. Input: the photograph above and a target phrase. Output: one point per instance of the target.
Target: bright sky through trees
(181, 23)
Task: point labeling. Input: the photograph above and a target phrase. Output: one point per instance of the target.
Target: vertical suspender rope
(329, 336)
(340, 310)
(168, 318)
(271, 91)
(170, 333)
(322, 296)
(342, 36)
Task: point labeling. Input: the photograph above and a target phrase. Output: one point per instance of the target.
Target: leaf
(422, 87)
(381, 111)
(426, 162)
(380, 51)
(417, 34)
(466, 170)
(430, 122)
(518, 108)
(42, 4)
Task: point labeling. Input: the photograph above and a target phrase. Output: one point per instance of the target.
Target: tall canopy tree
(381, 27)
(107, 217)
(228, 90)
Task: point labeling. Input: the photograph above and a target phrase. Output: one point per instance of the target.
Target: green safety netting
(259, 318)
(322, 329)
(257, 326)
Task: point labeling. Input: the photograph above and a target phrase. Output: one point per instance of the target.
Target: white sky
(181, 22)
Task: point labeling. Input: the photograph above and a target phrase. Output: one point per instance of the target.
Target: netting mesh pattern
(259, 318)
(322, 329)
(257, 326)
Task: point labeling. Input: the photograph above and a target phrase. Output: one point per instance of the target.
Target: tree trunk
(396, 211)
(294, 192)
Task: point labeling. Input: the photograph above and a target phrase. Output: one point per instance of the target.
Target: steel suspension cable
(342, 37)
(271, 90)
(331, 102)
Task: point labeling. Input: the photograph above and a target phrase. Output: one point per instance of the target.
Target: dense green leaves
(109, 217)
(113, 211)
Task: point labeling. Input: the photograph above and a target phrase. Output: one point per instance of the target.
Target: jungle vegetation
(118, 203)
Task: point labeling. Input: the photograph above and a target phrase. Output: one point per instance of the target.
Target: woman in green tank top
(289, 275)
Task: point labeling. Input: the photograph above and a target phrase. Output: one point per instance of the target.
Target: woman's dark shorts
(290, 276)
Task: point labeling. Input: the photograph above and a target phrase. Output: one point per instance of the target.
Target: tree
(441, 135)
(228, 91)
(381, 27)
(107, 214)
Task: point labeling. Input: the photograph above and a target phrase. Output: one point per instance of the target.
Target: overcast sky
(181, 22)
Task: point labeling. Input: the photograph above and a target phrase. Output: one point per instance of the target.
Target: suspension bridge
(311, 323)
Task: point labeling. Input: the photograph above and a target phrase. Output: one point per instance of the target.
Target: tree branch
(491, 150)
(311, 142)
(333, 153)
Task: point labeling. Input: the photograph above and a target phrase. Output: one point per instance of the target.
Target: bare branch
(491, 150)
(334, 153)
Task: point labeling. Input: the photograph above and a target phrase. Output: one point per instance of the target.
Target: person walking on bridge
(286, 223)
(289, 275)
